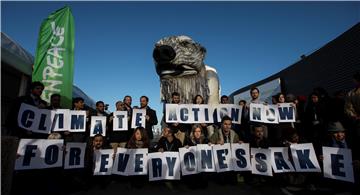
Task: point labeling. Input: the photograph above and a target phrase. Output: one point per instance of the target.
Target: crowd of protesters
(321, 119)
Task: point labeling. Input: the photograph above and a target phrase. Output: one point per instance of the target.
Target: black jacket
(167, 146)
(11, 121)
(151, 122)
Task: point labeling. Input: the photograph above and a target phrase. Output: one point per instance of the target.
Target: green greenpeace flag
(54, 60)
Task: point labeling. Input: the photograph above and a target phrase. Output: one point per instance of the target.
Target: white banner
(272, 114)
(256, 113)
(338, 164)
(34, 119)
(173, 165)
(42, 153)
(186, 114)
(304, 158)
(39, 154)
(61, 120)
(172, 113)
(121, 162)
(261, 161)
(232, 110)
(75, 154)
(138, 161)
(103, 161)
(188, 160)
(131, 161)
(164, 165)
(222, 157)
(77, 120)
(286, 112)
(43, 120)
(203, 113)
(280, 160)
(205, 158)
(156, 166)
(138, 118)
(194, 113)
(98, 125)
(120, 121)
(240, 155)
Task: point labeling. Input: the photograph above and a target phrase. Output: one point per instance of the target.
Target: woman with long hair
(139, 139)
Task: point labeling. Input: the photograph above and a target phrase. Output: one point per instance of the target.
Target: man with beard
(33, 99)
(151, 118)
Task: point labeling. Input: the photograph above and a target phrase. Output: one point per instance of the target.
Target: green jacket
(218, 137)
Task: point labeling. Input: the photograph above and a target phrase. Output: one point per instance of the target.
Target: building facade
(330, 67)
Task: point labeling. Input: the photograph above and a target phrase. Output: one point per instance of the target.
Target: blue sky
(245, 41)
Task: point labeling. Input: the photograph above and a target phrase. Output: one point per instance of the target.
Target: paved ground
(122, 186)
(162, 189)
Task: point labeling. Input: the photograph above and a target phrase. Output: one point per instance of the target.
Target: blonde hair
(194, 127)
(54, 136)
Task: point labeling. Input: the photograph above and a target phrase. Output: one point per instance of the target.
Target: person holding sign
(255, 96)
(33, 99)
(53, 178)
(151, 118)
(77, 104)
(299, 105)
(180, 130)
(127, 103)
(97, 143)
(255, 99)
(337, 139)
(198, 99)
(315, 119)
(55, 100)
(196, 137)
(117, 138)
(99, 120)
(168, 142)
(100, 109)
(337, 136)
(139, 139)
(225, 134)
(293, 180)
(243, 129)
(76, 177)
(224, 99)
(257, 140)
(278, 129)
